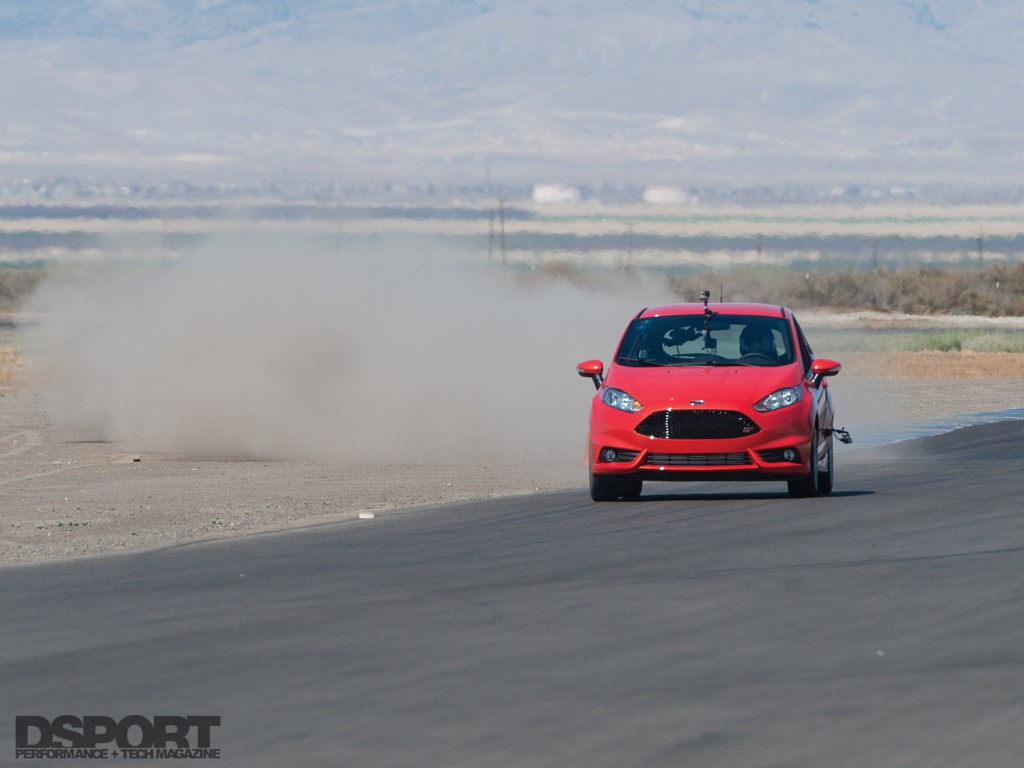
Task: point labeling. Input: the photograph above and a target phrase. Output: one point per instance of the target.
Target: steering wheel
(761, 355)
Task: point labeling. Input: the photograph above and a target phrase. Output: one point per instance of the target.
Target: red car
(719, 392)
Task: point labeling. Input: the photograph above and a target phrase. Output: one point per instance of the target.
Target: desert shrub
(16, 283)
(996, 290)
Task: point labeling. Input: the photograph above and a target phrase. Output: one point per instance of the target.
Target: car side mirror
(822, 368)
(592, 369)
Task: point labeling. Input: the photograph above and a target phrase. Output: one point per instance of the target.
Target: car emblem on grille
(696, 402)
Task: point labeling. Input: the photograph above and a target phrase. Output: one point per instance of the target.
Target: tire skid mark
(48, 472)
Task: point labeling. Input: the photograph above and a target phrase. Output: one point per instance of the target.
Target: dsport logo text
(69, 737)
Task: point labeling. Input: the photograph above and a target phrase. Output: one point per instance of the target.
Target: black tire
(807, 487)
(603, 489)
(631, 488)
(827, 478)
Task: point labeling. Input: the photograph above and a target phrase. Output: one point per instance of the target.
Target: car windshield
(727, 340)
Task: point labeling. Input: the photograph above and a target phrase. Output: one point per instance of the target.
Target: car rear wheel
(603, 489)
(807, 487)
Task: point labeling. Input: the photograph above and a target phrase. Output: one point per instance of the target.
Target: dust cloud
(383, 353)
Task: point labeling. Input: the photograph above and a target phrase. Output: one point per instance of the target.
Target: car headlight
(780, 398)
(616, 398)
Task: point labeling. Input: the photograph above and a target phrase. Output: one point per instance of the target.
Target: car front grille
(737, 459)
(697, 425)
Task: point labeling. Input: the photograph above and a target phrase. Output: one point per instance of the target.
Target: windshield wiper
(638, 361)
(702, 358)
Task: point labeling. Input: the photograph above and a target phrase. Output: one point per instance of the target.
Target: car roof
(697, 308)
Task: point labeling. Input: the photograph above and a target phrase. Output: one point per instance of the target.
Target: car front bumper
(779, 449)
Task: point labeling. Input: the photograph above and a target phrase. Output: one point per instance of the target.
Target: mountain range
(682, 93)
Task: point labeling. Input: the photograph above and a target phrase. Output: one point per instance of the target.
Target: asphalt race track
(710, 625)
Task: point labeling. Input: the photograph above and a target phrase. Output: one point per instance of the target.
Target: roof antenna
(721, 292)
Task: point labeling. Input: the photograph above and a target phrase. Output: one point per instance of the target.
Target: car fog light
(608, 454)
(789, 454)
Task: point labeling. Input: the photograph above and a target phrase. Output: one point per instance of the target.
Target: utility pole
(501, 211)
(629, 247)
(490, 236)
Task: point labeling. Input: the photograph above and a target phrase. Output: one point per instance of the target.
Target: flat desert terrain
(66, 493)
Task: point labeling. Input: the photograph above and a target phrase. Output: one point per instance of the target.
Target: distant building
(555, 193)
(667, 196)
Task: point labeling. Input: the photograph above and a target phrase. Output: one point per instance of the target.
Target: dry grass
(932, 365)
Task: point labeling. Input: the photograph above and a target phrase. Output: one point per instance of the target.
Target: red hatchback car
(719, 392)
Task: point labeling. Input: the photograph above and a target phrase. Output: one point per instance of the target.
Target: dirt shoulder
(63, 496)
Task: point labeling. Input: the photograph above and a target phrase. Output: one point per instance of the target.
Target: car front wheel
(603, 489)
(631, 488)
(826, 478)
(807, 487)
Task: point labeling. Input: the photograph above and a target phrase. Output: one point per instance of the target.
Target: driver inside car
(757, 339)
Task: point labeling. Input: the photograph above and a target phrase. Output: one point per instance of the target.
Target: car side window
(806, 355)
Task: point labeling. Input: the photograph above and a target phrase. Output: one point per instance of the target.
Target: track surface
(711, 625)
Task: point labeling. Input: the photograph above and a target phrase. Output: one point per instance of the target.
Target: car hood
(682, 385)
